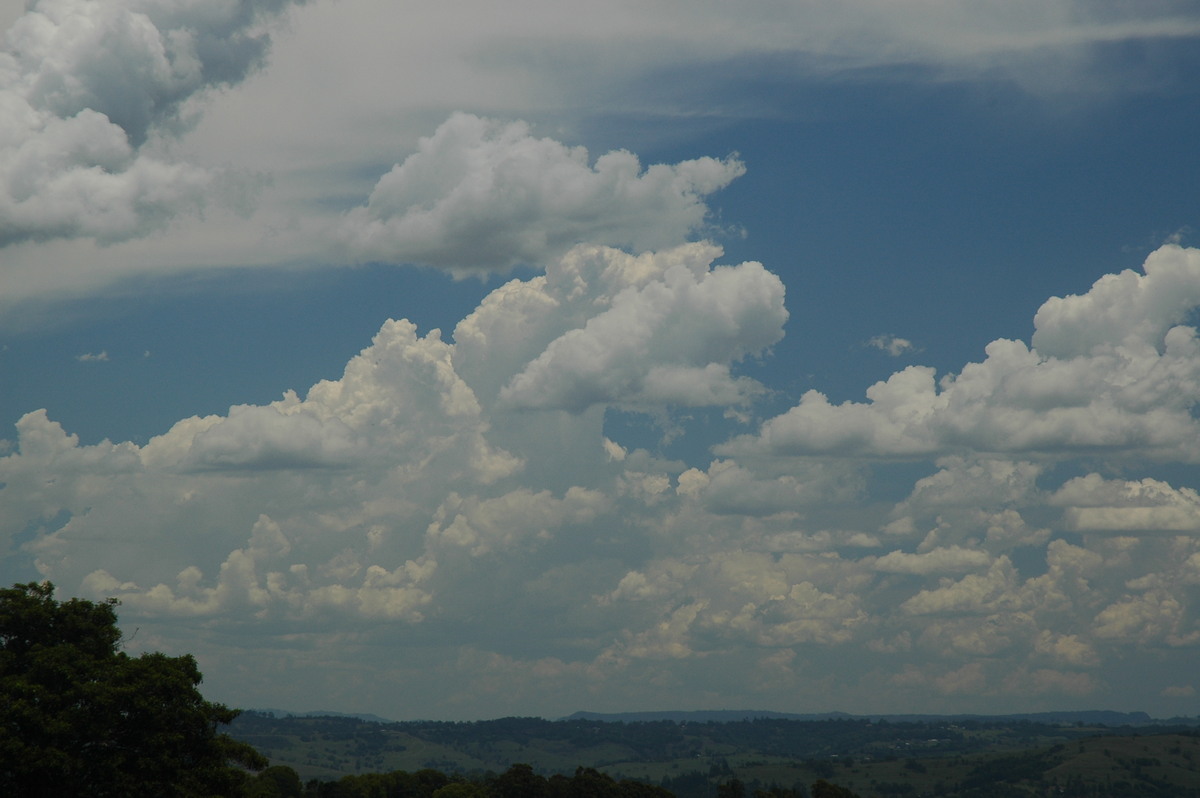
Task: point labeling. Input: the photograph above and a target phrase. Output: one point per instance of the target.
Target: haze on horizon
(437, 361)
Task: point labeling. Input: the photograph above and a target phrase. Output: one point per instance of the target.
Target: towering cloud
(456, 489)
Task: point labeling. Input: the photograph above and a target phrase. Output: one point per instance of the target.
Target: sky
(456, 360)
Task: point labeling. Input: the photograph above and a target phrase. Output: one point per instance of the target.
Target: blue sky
(852, 334)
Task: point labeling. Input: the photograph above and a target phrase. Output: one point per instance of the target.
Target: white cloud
(481, 194)
(974, 594)
(668, 342)
(1120, 375)
(951, 559)
(1146, 618)
(485, 525)
(93, 357)
(1094, 503)
(415, 492)
(1068, 649)
(471, 487)
(1126, 311)
(376, 491)
(85, 90)
(727, 488)
(114, 130)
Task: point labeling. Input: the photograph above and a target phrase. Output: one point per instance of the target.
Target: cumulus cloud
(1113, 371)
(404, 438)
(951, 559)
(85, 87)
(1094, 503)
(445, 488)
(481, 194)
(727, 488)
(668, 342)
(603, 327)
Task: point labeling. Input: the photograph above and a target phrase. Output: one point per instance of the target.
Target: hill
(959, 757)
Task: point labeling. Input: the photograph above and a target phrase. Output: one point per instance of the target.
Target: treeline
(649, 741)
(519, 781)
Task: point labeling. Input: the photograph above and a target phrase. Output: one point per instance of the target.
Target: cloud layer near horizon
(460, 498)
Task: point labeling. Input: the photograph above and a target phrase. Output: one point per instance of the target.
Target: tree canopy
(80, 717)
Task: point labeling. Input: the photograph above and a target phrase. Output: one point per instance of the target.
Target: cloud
(973, 594)
(1113, 371)
(87, 87)
(952, 559)
(1148, 618)
(727, 488)
(93, 357)
(481, 194)
(404, 438)
(118, 121)
(604, 327)
(668, 342)
(1094, 503)
(436, 492)
(891, 344)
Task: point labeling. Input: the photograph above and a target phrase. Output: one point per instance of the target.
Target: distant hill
(700, 716)
(1063, 754)
(1092, 717)
(321, 713)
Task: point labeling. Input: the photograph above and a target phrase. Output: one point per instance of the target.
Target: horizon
(421, 360)
(745, 713)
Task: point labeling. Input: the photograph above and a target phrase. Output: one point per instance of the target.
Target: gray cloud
(86, 87)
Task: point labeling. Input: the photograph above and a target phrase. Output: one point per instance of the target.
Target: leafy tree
(519, 781)
(460, 789)
(731, 789)
(278, 781)
(824, 789)
(79, 717)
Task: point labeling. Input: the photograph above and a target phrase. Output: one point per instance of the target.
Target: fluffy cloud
(1114, 371)
(950, 559)
(483, 194)
(377, 490)
(667, 342)
(94, 98)
(1094, 503)
(457, 488)
(86, 86)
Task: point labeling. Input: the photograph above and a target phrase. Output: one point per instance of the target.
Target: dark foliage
(78, 717)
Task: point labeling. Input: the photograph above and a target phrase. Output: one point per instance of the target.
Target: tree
(824, 789)
(278, 781)
(731, 789)
(79, 717)
(519, 781)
